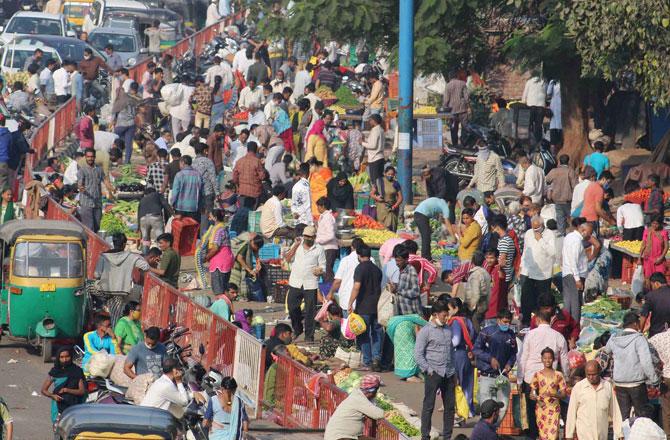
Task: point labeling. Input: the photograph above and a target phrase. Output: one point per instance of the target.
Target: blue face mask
(606, 186)
(503, 327)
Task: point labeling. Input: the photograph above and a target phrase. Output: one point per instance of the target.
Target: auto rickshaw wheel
(46, 347)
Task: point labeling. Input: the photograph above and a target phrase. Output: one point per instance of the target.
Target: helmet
(214, 379)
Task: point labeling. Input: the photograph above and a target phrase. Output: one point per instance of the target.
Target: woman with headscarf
(282, 126)
(68, 383)
(316, 143)
(340, 192)
(225, 414)
(402, 330)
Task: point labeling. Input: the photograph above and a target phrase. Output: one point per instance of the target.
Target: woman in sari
(402, 331)
(316, 143)
(282, 126)
(225, 413)
(202, 251)
(8, 210)
(68, 383)
(319, 176)
(245, 248)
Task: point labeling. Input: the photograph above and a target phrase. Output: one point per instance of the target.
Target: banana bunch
(338, 109)
(425, 110)
(296, 354)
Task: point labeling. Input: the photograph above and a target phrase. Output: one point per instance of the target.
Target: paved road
(18, 382)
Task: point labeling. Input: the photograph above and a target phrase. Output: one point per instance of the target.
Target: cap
(370, 382)
(488, 407)
(309, 231)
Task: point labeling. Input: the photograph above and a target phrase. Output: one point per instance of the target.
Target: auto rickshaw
(43, 281)
(90, 421)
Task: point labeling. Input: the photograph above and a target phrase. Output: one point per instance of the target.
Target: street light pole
(405, 110)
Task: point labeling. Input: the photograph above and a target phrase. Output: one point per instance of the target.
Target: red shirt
(497, 301)
(563, 323)
(593, 197)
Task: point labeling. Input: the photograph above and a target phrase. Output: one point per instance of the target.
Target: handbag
(385, 307)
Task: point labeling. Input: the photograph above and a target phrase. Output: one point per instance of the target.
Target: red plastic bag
(576, 359)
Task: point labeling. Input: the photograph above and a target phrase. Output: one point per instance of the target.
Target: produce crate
(276, 273)
(449, 262)
(254, 220)
(625, 301)
(269, 251)
(361, 200)
(627, 268)
(279, 292)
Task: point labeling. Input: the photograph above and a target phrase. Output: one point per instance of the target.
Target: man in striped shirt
(506, 250)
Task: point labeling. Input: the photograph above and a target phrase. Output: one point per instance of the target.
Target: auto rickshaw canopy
(93, 421)
(12, 230)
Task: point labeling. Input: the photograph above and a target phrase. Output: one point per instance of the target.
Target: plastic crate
(269, 251)
(628, 265)
(279, 292)
(254, 220)
(185, 232)
(276, 273)
(449, 262)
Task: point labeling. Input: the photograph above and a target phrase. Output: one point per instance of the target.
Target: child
(547, 389)
(497, 301)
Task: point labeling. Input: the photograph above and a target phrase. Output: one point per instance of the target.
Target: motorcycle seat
(465, 151)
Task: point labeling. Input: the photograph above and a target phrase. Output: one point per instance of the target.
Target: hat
(370, 381)
(488, 407)
(309, 231)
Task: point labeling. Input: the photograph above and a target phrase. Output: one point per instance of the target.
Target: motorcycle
(460, 161)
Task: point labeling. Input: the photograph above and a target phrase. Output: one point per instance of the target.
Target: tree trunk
(574, 114)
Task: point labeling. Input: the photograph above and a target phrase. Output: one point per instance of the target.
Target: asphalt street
(21, 377)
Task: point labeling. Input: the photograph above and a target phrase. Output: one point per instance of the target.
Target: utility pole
(405, 109)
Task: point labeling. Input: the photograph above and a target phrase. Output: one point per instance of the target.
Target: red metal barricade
(64, 120)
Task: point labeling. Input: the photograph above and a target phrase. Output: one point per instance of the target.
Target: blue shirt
(492, 342)
(93, 343)
(598, 161)
(483, 431)
(433, 350)
(433, 206)
(186, 190)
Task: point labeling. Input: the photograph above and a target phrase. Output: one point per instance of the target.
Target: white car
(35, 23)
(14, 56)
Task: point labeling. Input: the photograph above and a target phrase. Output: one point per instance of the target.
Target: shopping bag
(637, 282)
(346, 331)
(356, 324)
(462, 407)
(385, 307)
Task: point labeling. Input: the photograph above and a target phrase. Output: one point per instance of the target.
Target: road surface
(20, 384)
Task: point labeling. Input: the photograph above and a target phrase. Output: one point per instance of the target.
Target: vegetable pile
(346, 97)
(119, 217)
(363, 221)
(375, 236)
(128, 177)
(642, 195)
(438, 252)
(602, 307)
(113, 225)
(325, 93)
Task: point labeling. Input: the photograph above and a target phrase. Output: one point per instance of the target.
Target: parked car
(67, 48)
(35, 23)
(126, 42)
(100, 9)
(171, 24)
(14, 56)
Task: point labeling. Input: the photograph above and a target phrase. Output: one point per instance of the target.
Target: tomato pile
(366, 222)
(642, 195)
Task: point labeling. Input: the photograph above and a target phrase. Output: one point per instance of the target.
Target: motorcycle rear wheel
(461, 169)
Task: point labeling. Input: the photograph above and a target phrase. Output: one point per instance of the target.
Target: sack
(637, 282)
(172, 94)
(101, 364)
(353, 359)
(117, 375)
(462, 407)
(255, 290)
(346, 331)
(322, 314)
(385, 307)
(139, 386)
(356, 324)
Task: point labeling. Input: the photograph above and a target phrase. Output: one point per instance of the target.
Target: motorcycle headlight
(132, 61)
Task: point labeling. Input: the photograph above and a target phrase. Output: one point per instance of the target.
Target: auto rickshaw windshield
(48, 260)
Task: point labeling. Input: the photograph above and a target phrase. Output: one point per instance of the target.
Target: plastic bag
(172, 94)
(637, 282)
(356, 324)
(101, 364)
(346, 331)
(322, 314)
(576, 359)
(462, 407)
(385, 307)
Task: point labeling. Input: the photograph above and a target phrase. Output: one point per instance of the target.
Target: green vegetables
(123, 207)
(381, 402)
(346, 97)
(602, 306)
(438, 252)
(112, 224)
(128, 175)
(403, 425)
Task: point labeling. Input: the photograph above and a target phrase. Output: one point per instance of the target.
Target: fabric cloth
(220, 239)
(506, 247)
(534, 92)
(94, 343)
(578, 195)
(301, 202)
(271, 217)
(147, 360)
(91, 179)
(226, 425)
(477, 291)
(548, 408)
(317, 187)
(469, 242)
(156, 175)
(657, 303)
(492, 342)
(401, 330)
(325, 231)
(370, 278)
(278, 174)
(538, 256)
(537, 340)
(446, 385)
(348, 419)
(408, 295)
(167, 395)
(563, 323)
(562, 181)
(629, 216)
(590, 410)
(303, 264)
(463, 333)
(129, 331)
(655, 245)
(248, 175)
(171, 264)
(593, 197)
(432, 207)
(223, 308)
(534, 183)
(456, 96)
(488, 174)
(205, 167)
(345, 273)
(374, 144)
(341, 197)
(114, 269)
(661, 343)
(65, 377)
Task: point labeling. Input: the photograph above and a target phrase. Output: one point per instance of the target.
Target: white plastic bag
(637, 282)
(117, 375)
(101, 364)
(172, 94)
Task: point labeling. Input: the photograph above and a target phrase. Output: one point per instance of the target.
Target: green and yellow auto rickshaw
(43, 281)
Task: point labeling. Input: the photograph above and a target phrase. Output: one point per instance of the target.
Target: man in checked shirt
(156, 171)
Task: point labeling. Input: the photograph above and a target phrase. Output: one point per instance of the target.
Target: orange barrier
(295, 405)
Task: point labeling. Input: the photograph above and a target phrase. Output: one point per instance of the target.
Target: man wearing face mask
(89, 68)
(575, 264)
(495, 351)
(147, 356)
(593, 209)
(485, 429)
(537, 265)
(433, 354)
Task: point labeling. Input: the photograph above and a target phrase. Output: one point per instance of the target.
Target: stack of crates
(428, 133)
(254, 220)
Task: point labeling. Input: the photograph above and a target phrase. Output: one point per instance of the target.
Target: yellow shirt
(470, 241)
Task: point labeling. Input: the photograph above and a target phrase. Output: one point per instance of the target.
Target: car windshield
(48, 260)
(18, 58)
(120, 43)
(78, 10)
(34, 26)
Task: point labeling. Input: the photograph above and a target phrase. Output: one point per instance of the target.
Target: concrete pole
(405, 110)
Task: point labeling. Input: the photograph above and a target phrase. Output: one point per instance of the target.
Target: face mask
(390, 178)
(137, 315)
(540, 229)
(309, 241)
(503, 327)
(606, 186)
(438, 322)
